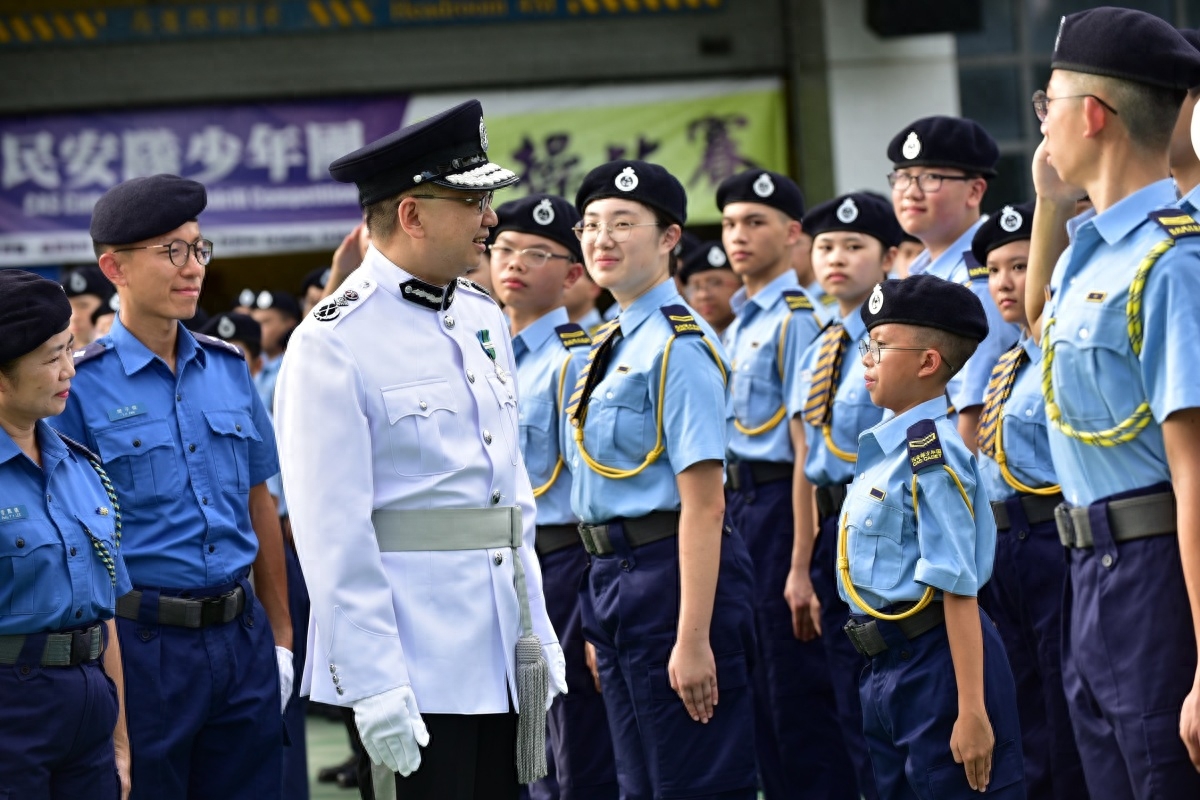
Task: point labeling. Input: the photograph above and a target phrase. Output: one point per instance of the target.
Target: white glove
(391, 728)
(556, 664)
(283, 657)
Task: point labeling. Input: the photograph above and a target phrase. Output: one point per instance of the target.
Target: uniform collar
(392, 278)
(1191, 201)
(1118, 221)
(769, 295)
(1032, 349)
(536, 335)
(53, 448)
(893, 433)
(854, 325)
(135, 356)
(661, 295)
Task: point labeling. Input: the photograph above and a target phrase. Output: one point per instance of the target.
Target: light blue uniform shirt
(540, 356)
(853, 411)
(968, 387)
(182, 451)
(1098, 381)
(753, 344)
(1023, 433)
(53, 577)
(620, 427)
(591, 321)
(892, 559)
(267, 377)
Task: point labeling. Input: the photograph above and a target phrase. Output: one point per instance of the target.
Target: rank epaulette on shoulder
(469, 284)
(797, 300)
(219, 344)
(93, 350)
(77, 447)
(681, 321)
(975, 270)
(924, 447)
(572, 335)
(1176, 223)
(347, 300)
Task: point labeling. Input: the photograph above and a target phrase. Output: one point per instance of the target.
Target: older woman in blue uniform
(667, 601)
(62, 721)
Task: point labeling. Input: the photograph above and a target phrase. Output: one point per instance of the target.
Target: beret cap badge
(1010, 219)
(716, 257)
(912, 146)
(764, 186)
(847, 212)
(226, 328)
(543, 212)
(627, 181)
(876, 302)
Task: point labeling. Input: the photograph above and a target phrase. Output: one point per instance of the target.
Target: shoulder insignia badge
(681, 321)
(219, 344)
(93, 350)
(796, 300)
(1176, 223)
(573, 336)
(975, 270)
(924, 447)
(327, 311)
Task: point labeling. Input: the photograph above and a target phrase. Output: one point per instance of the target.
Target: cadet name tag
(10, 513)
(125, 412)
(924, 447)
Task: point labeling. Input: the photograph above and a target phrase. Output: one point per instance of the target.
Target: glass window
(998, 35)
(991, 96)
(1045, 15)
(1013, 184)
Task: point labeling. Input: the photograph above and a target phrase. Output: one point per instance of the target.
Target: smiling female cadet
(667, 600)
(60, 570)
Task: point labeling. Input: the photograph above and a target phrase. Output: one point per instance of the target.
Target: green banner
(701, 140)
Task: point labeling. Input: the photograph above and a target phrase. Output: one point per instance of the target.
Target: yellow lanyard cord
(1002, 461)
(843, 561)
(620, 474)
(781, 412)
(558, 465)
(844, 455)
(1132, 426)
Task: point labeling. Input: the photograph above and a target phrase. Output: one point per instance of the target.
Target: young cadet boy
(915, 543)
(854, 244)
(535, 259)
(800, 751)
(942, 165)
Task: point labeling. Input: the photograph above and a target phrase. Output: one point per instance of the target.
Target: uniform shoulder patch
(572, 335)
(975, 270)
(681, 321)
(1176, 223)
(924, 446)
(796, 300)
(348, 298)
(77, 447)
(91, 351)
(219, 344)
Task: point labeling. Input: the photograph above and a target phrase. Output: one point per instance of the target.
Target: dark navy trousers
(1024, 597)
(1129, 658)
(295, 753)
(630, 606)
(801, 753)
(910, 704)
(202, 705)
(56, 729)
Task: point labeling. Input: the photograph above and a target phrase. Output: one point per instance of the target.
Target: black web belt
(182, 612)
(1128, 519)
(1038, 508)
(867, 639)
(639, 531)
(552, 538)
(65, 649)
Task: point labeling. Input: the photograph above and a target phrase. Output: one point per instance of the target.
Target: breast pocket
(1098, 383)
(421, 419)
(757, 392)
(232, 432)
(876, 555)
(142, 462)
(539, 442)
(33, 576)
(503, 390)
(1026, 442)
(622, 410)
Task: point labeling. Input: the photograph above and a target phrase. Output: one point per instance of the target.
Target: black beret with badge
(141, 208)
(1009, 224)
(88, 280)
(762, 186)
(32, 309)
(230, 325)
(706, 256)
(857, 212)
(945, 142)
(1126, 44)
(448, 149)
(281, 301)
(541, 215)
(927, 301)
(640, 181)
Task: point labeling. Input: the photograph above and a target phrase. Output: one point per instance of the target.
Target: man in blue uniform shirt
(188, 446)
(1122, 399)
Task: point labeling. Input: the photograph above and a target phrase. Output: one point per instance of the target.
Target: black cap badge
(912, 146)
(543, 212)
(1010, 220)
(77, 283)
(764, 186)
(847, 212)
(876, 301)
(627, 181)
(226, 328)
(716, 257)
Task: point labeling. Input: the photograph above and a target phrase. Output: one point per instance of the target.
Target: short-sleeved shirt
(620, 426)
(892, 557)
(1022, 433)
(1098, 381)
(544, 366)
(969, 385)
(758, 356)
(182, 450)
(51, 518)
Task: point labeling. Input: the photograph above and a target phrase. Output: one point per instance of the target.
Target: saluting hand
(693, 673)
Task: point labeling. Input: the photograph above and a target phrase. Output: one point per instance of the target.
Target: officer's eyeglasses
(617, 231)
(929, 182)
(178, 251)
(1042, 101)
(530, 257)
(481, 204)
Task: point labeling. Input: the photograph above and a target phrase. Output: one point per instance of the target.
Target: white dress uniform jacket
(384, 403)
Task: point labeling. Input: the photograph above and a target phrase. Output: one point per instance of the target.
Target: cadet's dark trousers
(203, 704)
(801, 753)
(1024, 597)
(579, 736)
(630, 604)
(845, 663)
(56, 729)
(295, 754)
(910, 703)
(1129, 658)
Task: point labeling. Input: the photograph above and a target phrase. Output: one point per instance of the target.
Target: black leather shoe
(348, 778)
(332, 774)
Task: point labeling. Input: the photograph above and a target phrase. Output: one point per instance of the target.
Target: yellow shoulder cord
(1002, 461)
(781, 412)
(843, 561)
(558, 465)
(1132, 426)
(659, 447)
(844, 455)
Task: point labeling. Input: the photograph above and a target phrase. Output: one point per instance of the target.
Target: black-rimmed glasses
(1042, 101)
(178, 251)
(927, 182)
